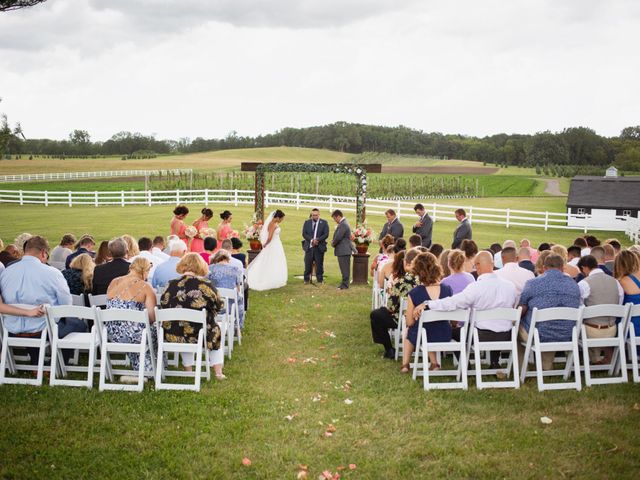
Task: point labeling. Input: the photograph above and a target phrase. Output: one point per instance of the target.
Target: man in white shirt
(158, 248)
(497, 257)
(573, 255)
(512, 272)
(490, 291)
(145, 245)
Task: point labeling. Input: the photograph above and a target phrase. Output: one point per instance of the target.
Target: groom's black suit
(314, 253)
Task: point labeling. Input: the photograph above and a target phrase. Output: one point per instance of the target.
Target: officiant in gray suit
(315, 232)
(424, 225)
(343, 249)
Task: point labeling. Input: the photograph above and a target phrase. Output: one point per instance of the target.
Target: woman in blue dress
(428, 270)
(627, 270)
(224, 275)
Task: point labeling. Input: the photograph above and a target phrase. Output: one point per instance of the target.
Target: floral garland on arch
(359, 171)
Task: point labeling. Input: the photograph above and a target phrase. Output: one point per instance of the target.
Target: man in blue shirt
(85, 245)
(166, 271)
(32, 282)
(551, 289)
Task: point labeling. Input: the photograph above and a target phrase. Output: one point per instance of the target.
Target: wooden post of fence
(21, 201)
(70, 202)
(297, 200)
(266, 199)
(206, 197)
(122, 198)
(470, 213)
(96, 198)
(178, 197)
(546, 220)
(434, 212)
(330, 204)
(46, 198)
(399, 207)
(507, 218)
(149, 198)
(235, 197)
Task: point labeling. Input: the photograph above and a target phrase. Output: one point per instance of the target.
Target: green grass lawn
(305, 351)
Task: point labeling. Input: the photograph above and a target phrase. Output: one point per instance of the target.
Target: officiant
(315, 232)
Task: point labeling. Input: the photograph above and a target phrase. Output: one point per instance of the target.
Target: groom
(342, 247)
(315, 232)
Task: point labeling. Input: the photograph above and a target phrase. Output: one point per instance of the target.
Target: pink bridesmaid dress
(197, 244)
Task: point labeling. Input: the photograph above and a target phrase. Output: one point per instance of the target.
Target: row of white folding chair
(632, 342)
(231, 317)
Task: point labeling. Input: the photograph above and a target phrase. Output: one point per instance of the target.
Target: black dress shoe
(391, 353)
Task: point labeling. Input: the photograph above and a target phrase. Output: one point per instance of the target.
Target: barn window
(626, 213)
(581, 211)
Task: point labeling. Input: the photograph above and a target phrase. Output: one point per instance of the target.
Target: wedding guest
(598, 288)
(144, 247)
(609, 256)
(20, 241)
(542, 247)
(382, 255)
(167, 270)
(225, 230)
(524, 260)
(617, 247)
(525, 243)
(86, 244)
(424, 226)
(497, 257)
(227, 246)
(210, 246)
(463, 230)
(627, 271)
(117, 267)
(79, 275)
(570, 270)
(132, 246)
(393, 226)
(582, 243)
(573, 255)
(457, 279)
(158, 248)
(551, 289)
(386, 317)
(223, 274)
(171, 238)
(202, 223)
(60, 252)
(415, 241)
(177, 223)
(194, 291)
(9, 255)
(103, 255)
(132, 292)
(592, 241)
(32, 282)
(236, 245)
(513, 272)
(385, 272)
(443, 260)
(426, 268)
(470, 249)
(436, 249)
(539, 270)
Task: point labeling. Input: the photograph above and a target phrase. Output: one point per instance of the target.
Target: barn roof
(605, 192)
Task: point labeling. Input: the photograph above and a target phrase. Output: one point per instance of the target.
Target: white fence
(439, 212)
(37, 177)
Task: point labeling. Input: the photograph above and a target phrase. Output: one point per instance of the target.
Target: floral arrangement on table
(252, 232)
(207, 232)
(362, 235)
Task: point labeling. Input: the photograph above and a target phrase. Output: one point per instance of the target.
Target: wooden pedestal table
(360, 268)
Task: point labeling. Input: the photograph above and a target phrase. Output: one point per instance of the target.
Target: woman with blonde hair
(193, 290)
(627, 270)
(568, 269)
(132, 246)
(444, 262)
(79, 275)
(132, 292)
(540, 262)
(426, 267)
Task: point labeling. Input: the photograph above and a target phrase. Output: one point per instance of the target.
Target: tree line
(576, 146)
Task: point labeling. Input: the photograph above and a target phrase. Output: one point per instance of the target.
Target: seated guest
(490, 291)
(436, 249)
(60, 252)
(384, 318)
(609, 256)
(105, 273)
(597, 253)
(524, 260)
(617, 247)
(79, 275)
(551, 289)
(582, 243)
(385, 272)
(132, 247)
(210, 246)
(32, 282)
(512, 272)
(167, 271)
(427, 269)
(228, 247)
(497, 258)
(170, 239)
(415, 241)
(591, 241)
(382, 256)
(599, 289)
(193, 290)
(570, 270)
(573, 255)
(627, 271)
(158, 248)
(470, 249)
(443, 260)
(132, 292)
(457, 279)
(103, 255)
(542, 247)
(236, 245)
(20, 242)
(86, 244)
(223, 274)
(525, 243)
(144, 246)
(539, 270)
(9, 255)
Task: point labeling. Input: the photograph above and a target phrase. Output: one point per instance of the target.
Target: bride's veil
(264, 233)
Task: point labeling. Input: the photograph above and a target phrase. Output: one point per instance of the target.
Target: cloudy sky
(188, 68)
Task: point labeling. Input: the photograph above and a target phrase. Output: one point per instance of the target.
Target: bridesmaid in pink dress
(177, 224)
(197, 244)
(224, 229)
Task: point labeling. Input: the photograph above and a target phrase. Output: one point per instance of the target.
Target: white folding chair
(107, 347)
(398, 333)
(8, 360)
(229, 296)
(616, 342)
(535, 346)
(509, 314)
(74, 341)
(632, 340)
(423, 347)
(77, 300)
(97, 300)
(198, 349)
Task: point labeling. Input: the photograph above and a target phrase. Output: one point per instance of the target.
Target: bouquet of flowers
(234, 234)
(252, 232)
(362, 235)
(191, 231)
(207, 232)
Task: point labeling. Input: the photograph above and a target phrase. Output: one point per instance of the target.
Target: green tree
(631, 133)
(6, 5)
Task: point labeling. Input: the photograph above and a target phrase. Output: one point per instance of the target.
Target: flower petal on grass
(348, 401)
(352, 466)
(546, 420)
(246, 462)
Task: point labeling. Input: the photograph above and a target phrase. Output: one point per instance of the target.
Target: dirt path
(553, 188)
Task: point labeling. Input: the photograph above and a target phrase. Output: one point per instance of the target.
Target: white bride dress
(269, 269)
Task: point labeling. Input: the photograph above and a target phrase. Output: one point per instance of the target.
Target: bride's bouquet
(362, 235)
(207, 232)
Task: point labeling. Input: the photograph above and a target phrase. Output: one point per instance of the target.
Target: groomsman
(315, 232)
(341, 244)
(463, 230)
(392, 227)
(424, 225)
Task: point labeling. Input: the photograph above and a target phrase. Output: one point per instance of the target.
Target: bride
(269, 269)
